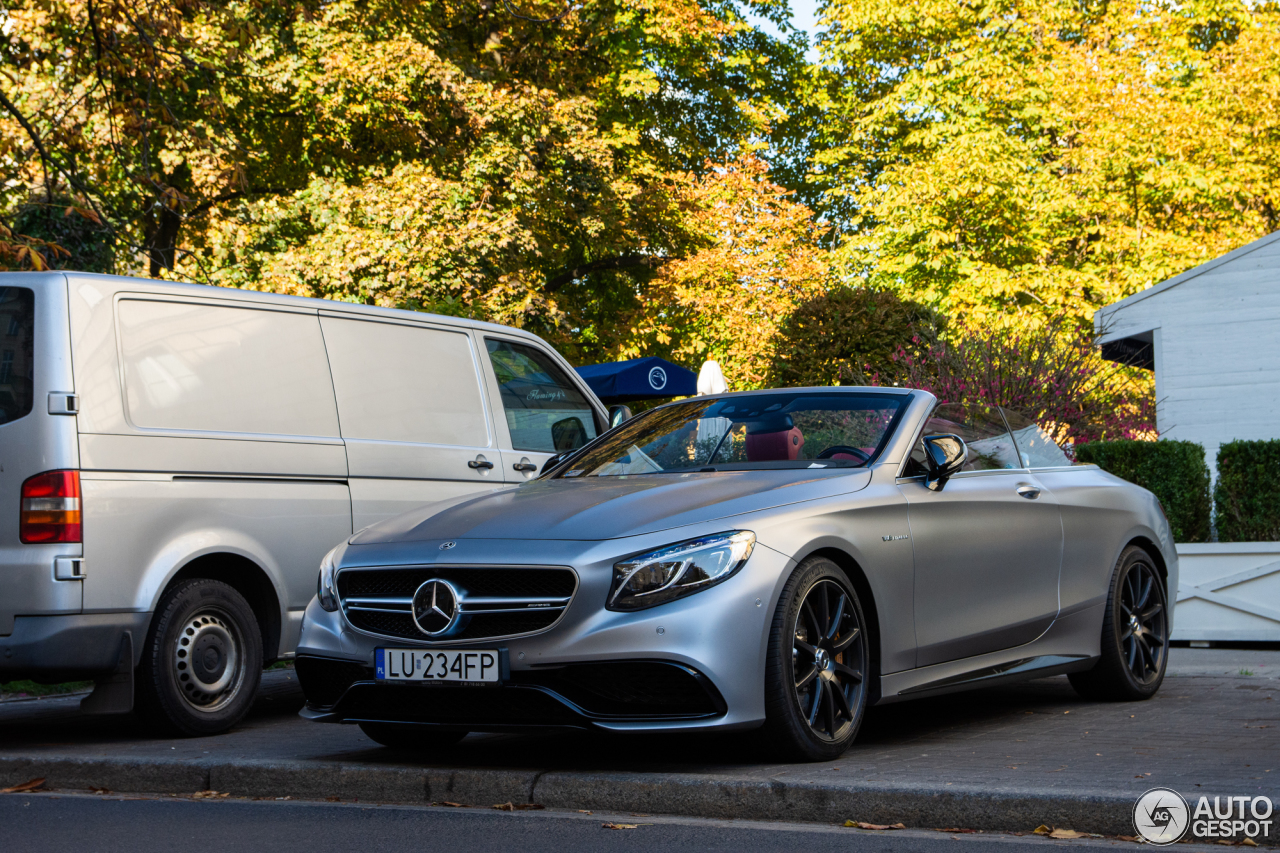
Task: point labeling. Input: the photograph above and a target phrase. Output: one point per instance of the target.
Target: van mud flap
(114, 693)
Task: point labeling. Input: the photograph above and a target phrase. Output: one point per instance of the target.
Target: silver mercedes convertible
(778, 559)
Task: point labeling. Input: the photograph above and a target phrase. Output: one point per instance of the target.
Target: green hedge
(1247, 495)
(1175, 471)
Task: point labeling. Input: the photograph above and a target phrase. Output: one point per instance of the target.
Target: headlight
(673, 572)
(326, 586)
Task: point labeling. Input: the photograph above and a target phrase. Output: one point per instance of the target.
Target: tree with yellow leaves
(986, 156)
(726, 300)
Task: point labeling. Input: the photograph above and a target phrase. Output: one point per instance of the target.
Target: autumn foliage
(633, 177)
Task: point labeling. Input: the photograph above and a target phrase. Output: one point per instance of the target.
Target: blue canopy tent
(639, 379)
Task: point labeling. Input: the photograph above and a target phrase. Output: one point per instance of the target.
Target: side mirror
(568, 434)
(553, 461)
(619, 415)
(944, 455)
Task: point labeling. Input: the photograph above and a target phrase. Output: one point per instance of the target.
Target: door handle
(524, 466)
(480, 462)
(1029, 492)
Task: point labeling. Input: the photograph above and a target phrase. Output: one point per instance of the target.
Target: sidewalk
(1006, 758)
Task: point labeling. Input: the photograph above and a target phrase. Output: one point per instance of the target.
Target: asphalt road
(61, 822)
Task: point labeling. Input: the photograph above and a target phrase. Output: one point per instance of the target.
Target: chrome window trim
(985, 472)
(342, 603)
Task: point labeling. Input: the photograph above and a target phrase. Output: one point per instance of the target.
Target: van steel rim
(207, 660)
(828, 659)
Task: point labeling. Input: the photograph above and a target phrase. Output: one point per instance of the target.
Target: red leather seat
(780, 446)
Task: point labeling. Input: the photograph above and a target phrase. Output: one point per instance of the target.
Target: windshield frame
(902, 400)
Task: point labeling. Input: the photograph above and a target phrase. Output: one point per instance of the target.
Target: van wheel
(202, 662)
(411, 737)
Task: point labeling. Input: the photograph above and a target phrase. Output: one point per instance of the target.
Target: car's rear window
(17, 352)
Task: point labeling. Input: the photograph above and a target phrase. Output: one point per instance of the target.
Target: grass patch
(14, 689)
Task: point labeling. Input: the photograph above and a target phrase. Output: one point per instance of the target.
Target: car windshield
(775, 429)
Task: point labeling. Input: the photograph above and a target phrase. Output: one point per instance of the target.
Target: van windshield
(17, 352)
(773, 429)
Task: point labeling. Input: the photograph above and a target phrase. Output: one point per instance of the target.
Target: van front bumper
(73, 647)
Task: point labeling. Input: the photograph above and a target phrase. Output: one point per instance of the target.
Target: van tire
(204, 635)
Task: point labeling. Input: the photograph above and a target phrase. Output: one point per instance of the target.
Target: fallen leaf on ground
(1042, 830)
(29, 785)
(1067, 833)
(333, 799)
(857, 824)
(1249, 842)
(584, 811)
(209, 795)
(450, 805)
(100, 790)
(518, 807)
(619, 825)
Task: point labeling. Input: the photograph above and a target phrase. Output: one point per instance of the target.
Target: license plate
(423, 665)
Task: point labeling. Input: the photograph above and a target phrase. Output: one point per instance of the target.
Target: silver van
(175, 460)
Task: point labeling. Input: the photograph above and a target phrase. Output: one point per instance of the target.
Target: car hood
(611, 507)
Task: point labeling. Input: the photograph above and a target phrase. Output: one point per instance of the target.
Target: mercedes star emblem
(436, 607)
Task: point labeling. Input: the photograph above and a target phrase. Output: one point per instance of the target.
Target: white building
(1212, 336)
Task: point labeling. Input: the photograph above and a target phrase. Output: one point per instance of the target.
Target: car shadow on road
(57, 722)
(885, 727)
(27, 721)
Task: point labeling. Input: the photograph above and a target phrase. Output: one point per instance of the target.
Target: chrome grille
(494, 601)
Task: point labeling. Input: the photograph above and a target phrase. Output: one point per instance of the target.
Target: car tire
(1135, 634)
(202, 662)
(411, 737)
(817, 666)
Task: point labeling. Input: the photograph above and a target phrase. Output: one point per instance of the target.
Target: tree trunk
(162, 239)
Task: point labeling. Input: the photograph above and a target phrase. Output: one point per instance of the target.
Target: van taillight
(51, 508)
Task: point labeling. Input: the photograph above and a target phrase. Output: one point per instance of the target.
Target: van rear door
(35, 382)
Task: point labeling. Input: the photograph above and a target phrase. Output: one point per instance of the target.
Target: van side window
(17, 352)
(204, 367)
(545, 412)
(405, 383)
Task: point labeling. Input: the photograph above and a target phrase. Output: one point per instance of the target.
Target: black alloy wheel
(1142, 624)
(816, 684)
(1135, 634)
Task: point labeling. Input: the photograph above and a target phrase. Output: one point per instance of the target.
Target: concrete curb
(684, 794)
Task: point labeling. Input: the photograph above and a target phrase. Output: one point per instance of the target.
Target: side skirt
(1071, 644)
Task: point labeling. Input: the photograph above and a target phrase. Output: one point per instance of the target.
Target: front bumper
(575, 696)
(715, 640)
